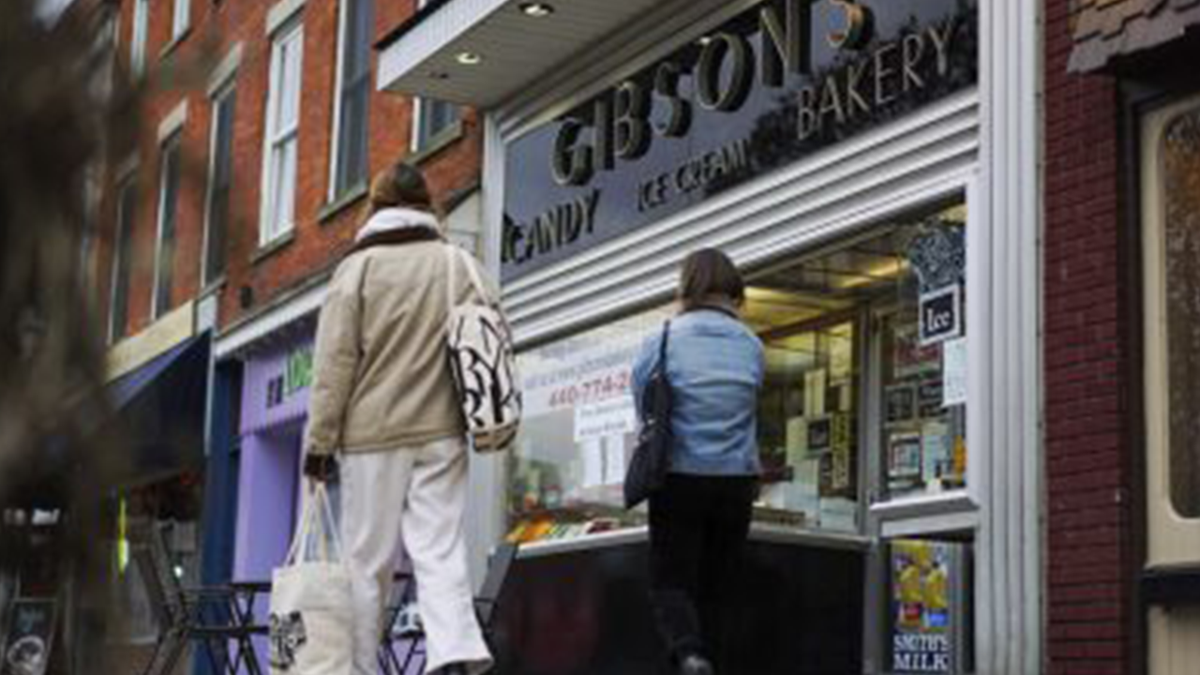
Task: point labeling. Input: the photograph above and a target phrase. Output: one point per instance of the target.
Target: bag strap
(452, 274)
(452, 253)
(662, 346)
(316, 505)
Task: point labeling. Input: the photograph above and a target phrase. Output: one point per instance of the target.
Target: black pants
(698, 528)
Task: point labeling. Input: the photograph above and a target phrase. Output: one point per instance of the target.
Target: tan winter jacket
(381, 380)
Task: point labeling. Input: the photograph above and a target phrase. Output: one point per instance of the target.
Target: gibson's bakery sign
(769, 87)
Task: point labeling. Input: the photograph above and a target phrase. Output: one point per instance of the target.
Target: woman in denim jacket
(700, 519)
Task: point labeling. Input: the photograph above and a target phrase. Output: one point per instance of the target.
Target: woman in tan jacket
(384, 419)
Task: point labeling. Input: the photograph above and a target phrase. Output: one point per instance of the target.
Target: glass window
(923, 441)
(350, 168)
(807, 415)
(283, 105)
(123, 258)
(433, 118)
(137, 44)
(577, 433)
(220, 184)
(168, 212)
(180, 18)
(860, 393)
(1179, 163)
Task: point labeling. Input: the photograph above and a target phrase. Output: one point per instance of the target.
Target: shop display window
(808, 414)
(578, 431)
(864, 390)
(922, 439)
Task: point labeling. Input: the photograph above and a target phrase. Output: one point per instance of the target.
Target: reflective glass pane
(169, 207)
(1180, 164)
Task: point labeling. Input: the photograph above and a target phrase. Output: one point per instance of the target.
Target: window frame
(121, 283)
(226, 94)
(424, 139)
(172, 144)
(1172, 539)
(276, 139)
(338, 187)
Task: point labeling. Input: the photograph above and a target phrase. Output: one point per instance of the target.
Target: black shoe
(694, 664)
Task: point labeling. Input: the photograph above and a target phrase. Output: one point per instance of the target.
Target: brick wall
(1089, 478)
(216, 27)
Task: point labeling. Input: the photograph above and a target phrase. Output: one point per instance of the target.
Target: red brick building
(259, 127)
(227, 39)
(1121, 164)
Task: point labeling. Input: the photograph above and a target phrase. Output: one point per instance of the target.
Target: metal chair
(404, 600)
(207, 615)
(487, 602)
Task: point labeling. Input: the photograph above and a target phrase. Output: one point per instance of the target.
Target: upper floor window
(168, 211)
(283, 106)
(433, 119)
(220, 183)
(180, 18)
(137, 44)
(354, 88)
(127, 196)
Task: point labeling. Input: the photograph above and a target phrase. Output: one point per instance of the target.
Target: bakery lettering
(623, 125)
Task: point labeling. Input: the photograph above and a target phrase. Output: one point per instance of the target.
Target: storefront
(274, 405)
(159, 388)
(872, 168)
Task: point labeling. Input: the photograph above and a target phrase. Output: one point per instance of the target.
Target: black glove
(323, 468)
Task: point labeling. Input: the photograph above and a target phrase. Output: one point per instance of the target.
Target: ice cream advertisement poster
(921, 583)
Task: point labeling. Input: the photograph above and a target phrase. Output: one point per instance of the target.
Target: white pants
(420, 492)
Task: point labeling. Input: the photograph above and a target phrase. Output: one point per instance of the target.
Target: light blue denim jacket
(715, 367)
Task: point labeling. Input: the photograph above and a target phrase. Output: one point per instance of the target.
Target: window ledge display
(629, 535)
(758, 532)
(956, 525)
(924, 505)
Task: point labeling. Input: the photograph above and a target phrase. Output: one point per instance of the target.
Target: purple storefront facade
(274, 408)
(277, 372)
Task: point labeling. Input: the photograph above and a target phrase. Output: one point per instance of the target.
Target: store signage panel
(941, 315)
(768, 88)
(929, 609)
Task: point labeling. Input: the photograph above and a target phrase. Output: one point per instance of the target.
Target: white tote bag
(312, 620)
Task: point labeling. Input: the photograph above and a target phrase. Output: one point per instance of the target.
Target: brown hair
(709, 277)
(400, 186)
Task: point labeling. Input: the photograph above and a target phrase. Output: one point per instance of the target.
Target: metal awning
(160, 410)
(481, 52)
(1105, 30)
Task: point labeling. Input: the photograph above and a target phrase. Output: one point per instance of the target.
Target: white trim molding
(243, 335)
(1004, 315)
(225, 70)
(280, 13)
(173, 122)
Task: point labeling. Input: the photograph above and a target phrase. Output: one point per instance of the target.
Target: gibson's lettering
(766, 88)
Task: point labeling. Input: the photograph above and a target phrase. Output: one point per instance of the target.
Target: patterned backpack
(480, 347)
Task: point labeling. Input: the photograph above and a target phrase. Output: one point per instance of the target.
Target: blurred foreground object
(55, 465)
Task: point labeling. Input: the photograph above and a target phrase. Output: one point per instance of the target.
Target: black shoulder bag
(652, 455)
